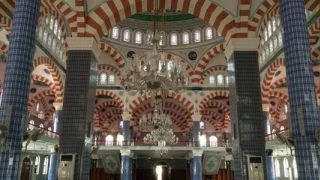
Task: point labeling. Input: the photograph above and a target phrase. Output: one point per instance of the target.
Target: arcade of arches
(249, 110)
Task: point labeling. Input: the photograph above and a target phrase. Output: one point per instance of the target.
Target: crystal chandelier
(153, 75)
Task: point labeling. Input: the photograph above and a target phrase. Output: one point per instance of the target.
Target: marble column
(248, 128)
(125, 164)
(197, 164)
(196, 130)
(16, 84)
(53, 166)
(191, 167)
(79, 102)
(302, 97)
(58, 113)
(269, 165)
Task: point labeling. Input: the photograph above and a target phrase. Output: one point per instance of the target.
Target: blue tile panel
(130, 168)
(125, 167)
(57, 118)
(197, 168)
(269, 165)
(53, 166)
(126, 132)
(301, 86)
(196, 133)
(78, 109)
(17, 83)
(248, 127)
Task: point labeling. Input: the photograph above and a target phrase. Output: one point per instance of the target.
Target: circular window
(51, 101)
(278, 73)
(272, 103)
(46, 71)
(103, 110)
(131, 54)
(316, 73)
(33, 90)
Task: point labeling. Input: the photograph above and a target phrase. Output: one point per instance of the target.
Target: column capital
(84, 43)
(126, 117)
(196, 117)
(197, 152)
(125, 152)
(241, 44)
(58, 106)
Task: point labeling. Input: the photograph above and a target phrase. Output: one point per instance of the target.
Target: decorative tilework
(17, 83)
(78, 109)
(301, 86)
(246, 111)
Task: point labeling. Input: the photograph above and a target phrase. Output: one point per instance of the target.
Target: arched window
(213, 141)
(126, 35)
(1, 97)
(202, 126)
(212, 80)
(49, 131)
(208, 33)
(227, 81)
(185, 38)
(37, 108)
(286, 167)
(119, 139)
(281, 128)
(174, 39)
(280, 39)
(277, 168)
(169, 66)
(197, 36)
(45, 165)
(37, 165)
(31, 125)
(220, 80)
(121, 125)
(50, 35)
(103, 79)
(268, 127)
(274, 133)
(111, 79)
(115, 32)
(295, 170)
(203, 140)
(109, 140)
(285, 108)
(162, 39)
(41, 126)
(138, 38)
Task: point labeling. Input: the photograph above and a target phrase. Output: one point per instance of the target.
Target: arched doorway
(25, 170)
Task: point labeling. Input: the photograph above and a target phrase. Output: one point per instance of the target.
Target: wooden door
(25, 170)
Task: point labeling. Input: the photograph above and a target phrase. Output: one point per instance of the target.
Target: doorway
(25, 170)
(162, 171)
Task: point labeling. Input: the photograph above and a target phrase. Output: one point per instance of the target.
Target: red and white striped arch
(44, 80)
(213, 94)
(39, 96)
(112, 12)
(108, 102)
(266, 84)
(113, 53)
(112, 95)
(198, 72)
(54, 71)
(108, 68)
(276, 84)
(3, 47)
(6, 23)
(279, 95)
(211, 70)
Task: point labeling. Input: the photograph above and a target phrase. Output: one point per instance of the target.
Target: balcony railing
(273, 136)
(47, 133)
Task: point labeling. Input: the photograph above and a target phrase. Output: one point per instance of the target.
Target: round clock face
(192, 55)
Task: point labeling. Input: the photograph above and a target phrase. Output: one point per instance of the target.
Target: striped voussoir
(44, 107)
(54, 71)
(112, 95)
(213, 94)
(109, 69)
(202, 64)
(112, 12)
(3, 47)
(276, 84)
(113, 53)
(213, 70)
(266, 84)
(6, 23)
(36, 98)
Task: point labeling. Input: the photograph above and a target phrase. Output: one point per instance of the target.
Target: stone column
(245, 104)
(196, 129)
(191, 167)
(126, 129)
(131, 165)
(79, 102)
(58, 113)
(197, 164)
(302, 97)
(125, 164)
(16, 84)
(269, 165)
(53, 166)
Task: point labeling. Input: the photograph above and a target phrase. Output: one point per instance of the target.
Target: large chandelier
(154, 74)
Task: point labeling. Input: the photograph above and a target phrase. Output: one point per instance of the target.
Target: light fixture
(153, 74)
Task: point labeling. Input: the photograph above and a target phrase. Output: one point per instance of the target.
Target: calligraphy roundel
(192, 55)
